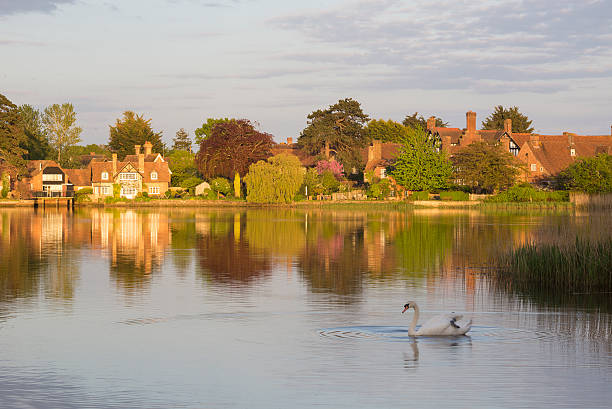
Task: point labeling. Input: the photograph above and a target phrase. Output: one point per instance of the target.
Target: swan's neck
(415, 319)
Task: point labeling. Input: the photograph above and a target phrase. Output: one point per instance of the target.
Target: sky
(179, 62)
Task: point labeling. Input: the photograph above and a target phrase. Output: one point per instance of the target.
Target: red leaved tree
(231, 148)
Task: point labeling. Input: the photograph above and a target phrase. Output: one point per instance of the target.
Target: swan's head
(406, 306)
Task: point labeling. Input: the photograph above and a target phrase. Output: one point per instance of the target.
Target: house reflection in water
(134, 241)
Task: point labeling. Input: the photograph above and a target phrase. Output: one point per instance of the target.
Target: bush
(221, 185)
(209, 194)
(454, 195)
(379, 190)
(191, 183)
(527, 193)
(420, 195)
(5, 186)
(329, 182)
(82, 195)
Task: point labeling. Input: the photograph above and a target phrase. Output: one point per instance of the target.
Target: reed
(580, 267)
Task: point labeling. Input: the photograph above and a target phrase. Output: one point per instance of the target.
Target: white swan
(444, 324)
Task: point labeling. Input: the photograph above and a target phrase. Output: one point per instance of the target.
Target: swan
(444, 324)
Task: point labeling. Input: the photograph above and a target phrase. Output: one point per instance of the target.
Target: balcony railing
(52, 194)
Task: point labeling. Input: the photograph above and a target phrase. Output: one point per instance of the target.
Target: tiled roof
(78, 177)
(34, 167)
(293, 149)
(162, 169)
(147, 158)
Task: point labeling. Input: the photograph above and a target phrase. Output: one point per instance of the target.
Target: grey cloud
(10, 7)
(522, 46)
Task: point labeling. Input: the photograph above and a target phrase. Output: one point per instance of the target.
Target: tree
(182, 141)
(486, 167)
(73, 155)
(520, 122)
(415, 120)
(205, 130)
(232, 147)
(386, 131)
(11, 134)
(59, 123)
(420, 164)
(36, 142)
(182, 165)
(590, 175)
(133, 130)
(276, 180)
(339, 130)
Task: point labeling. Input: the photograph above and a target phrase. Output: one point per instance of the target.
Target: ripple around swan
(477, 334)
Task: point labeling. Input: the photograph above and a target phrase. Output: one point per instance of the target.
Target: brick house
(544, 155)
(44, 178)
(142, 172)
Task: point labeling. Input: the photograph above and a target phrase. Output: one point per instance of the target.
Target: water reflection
(332, 251)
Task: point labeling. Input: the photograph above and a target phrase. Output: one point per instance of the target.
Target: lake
(281, 308)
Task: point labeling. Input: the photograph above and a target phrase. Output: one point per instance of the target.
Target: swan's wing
(444, 324)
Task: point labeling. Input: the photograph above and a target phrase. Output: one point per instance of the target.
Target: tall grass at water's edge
(581, 267)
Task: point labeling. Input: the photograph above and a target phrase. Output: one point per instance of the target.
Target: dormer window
(153, 175)
(104, 175)
(572, 152)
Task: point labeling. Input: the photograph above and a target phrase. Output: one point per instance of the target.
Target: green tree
(232, 147)
(73, 155)
(59, 123)
(205, 130)
(133, 130)
(274, 181)
(11, 134)
(417, 121)
(182, 165)
(386, 131)
(486, 167)
(520, 122)
(182, 141)
(590, 175)
(339, 129)
(220, 185)
(420, 164)
(36, 142)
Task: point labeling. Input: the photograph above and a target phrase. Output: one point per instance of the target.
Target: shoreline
(419, 204)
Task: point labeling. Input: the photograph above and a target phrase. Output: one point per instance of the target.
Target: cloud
(10, 7)
(516, 45)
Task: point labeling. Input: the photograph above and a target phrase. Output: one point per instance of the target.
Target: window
(95, 190)
(541, 169)
(154, 190)
(534, 167)
(383, 173)
(104, 175)
(128, 191)
(52, 177)
(514, 148)
(128, 176)
(153, 175)
(573, 152)
(105, 190)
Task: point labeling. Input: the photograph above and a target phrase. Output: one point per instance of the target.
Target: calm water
(288, 309)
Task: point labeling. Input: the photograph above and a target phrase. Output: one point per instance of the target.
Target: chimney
(137, 149)
(141, 163)
(431, 122)
(508, 126)
(289, 141)
(114, 164)
(470, 122)
(148, 146)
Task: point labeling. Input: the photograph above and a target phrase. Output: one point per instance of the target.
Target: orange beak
(405, 308)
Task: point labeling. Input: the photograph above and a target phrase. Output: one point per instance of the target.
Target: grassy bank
(583, 267)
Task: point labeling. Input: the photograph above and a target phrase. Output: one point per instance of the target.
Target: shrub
(276, 180)
(82, 195)
(527, 193)
(329, 182)
(221, 185)
(379, 190)
(420, 195)
(454, 195)
(5, 185)
(209, 194)
(191, 183)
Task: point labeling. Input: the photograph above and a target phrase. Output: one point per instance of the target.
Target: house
(78, 178)
(544, 155)
(291, 148)
(44, 178)
(141, 172)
